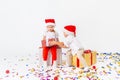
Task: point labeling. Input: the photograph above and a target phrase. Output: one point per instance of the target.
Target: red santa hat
(70, 30)
(50, 22)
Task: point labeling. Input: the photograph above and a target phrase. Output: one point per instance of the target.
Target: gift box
(76, 62)
(89, 56)
(45, 43)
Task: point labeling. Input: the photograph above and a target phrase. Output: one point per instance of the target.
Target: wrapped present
(89, 56)
(76, 62)
(46, 44)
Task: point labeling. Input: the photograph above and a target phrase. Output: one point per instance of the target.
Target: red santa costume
(50, 36)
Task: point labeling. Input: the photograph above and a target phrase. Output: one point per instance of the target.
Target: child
(71, 42)
(50, 35)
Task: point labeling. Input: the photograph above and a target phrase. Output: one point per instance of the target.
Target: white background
(22, 23)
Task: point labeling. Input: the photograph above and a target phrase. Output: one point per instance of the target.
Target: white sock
(45, 64)
(54, 64)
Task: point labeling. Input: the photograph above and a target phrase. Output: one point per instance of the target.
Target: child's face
(65, 35)
(50, 28)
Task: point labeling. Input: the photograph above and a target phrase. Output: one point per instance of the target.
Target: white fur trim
(68, 32)
(50, 24)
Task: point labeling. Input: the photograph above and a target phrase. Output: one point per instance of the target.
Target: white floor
(29, 68)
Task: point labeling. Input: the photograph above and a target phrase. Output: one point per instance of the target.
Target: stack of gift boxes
(89, 56)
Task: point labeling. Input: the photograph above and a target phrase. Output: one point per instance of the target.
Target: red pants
(53, 52)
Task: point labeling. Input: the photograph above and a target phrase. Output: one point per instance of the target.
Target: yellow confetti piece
(80, 72)
(104, 72)
(118, 63)
(79, 77)
(88, 74)
(118, 72)
(21, 76)
(108, 66)
(110, 57)
(32, 70)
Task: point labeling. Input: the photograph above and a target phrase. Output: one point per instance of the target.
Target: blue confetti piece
(111, 64)
(27, 74)
(109, 72)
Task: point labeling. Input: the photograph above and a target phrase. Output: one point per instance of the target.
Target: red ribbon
(89, 52)
(91, 58)
(78, 62)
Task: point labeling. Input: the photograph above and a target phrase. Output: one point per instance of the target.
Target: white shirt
(72, 43)
(50, 35)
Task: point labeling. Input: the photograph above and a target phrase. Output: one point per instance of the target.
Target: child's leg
(45, 55)
(54, 55)
(80, 57)
(69, 58)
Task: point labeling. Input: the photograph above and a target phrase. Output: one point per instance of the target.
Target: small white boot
(54, 64)
(69, 58)
(45, 65)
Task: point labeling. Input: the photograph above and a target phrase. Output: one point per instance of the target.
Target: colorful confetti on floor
(29, 68)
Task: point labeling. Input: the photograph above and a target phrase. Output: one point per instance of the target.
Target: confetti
(7, 71)
(28, 67)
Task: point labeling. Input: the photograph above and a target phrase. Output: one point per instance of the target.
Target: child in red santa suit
(50, 35)
(74, 45)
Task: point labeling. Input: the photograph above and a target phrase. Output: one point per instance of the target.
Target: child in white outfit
(71, 42)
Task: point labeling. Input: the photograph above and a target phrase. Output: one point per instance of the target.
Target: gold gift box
(75, 62)
(90, 58)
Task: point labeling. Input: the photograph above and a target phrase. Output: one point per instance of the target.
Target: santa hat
(70, 30)
(50, 22)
